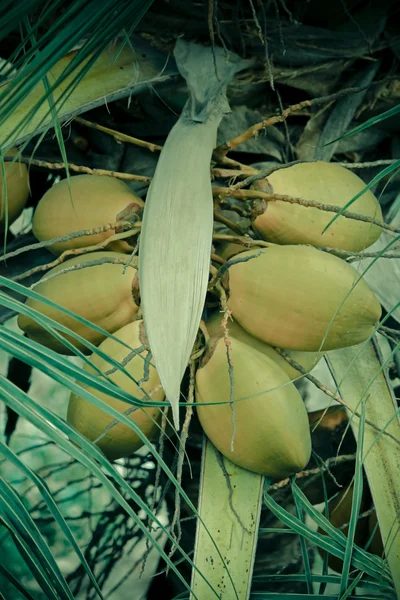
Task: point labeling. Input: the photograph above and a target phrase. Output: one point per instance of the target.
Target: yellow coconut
(271, 426)
(102, 294)
(307, 360)
(300, 298)
(17, 182)
(328, 183)
(96, 201)
(119, 441)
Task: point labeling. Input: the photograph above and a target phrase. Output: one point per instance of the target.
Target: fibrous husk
(301, 298)
(265, 429)
(86, 202)
(326, 183)
(17, 184)
(101, 293)
(120, 441)
(308, 360)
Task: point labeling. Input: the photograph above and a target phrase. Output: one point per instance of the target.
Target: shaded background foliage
(301, 50)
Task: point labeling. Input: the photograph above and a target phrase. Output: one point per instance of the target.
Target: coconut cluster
(291, 296)
(99, 287)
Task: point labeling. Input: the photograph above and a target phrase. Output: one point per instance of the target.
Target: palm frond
(30, 542)
(87, 453)
(52, 506)
(334, 542)
(232, 516)
(47, 360)
(87, 29)
(53, 327)
(360, 377)
(15, 583)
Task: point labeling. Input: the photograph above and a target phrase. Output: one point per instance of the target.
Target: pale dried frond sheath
(175, 243)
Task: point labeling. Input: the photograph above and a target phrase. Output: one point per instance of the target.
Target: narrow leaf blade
(175, 246)
(113, 75)
(235, 534)
(359, 376)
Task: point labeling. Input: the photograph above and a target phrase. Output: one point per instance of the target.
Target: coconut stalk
(176, 237)
(229, 506)
(360, 378)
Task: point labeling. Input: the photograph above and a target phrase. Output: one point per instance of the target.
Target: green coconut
(89, 201)
(308, 360)
(300, 298)
(327, 183)
(268, 430)
(102, 294)
(92, 422)
(17, 184)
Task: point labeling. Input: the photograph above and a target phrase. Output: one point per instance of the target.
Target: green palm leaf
(52, 506)
(370, 122)
(29, 540)
(15, 583)
(19, 346)
(334, 542)
(85, 55)
(91, 457)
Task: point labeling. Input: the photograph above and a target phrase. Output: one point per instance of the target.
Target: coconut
(17, 183)
(119, 441)
(300, 298)
(327, 183)
(90, 201)
(270, 435)
(102, 294)
(308, 360)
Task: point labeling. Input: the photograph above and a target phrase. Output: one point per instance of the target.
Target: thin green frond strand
(52, 507)
(91, 457)
(369, 123)
(18, 519)
(76, 436)
(15, 583)
(335, 541)
(391, 168)
(356, 504)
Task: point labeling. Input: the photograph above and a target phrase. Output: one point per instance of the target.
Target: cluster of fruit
(290, 295)
(99, 287)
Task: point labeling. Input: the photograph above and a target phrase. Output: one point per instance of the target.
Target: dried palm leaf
(176, 236)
